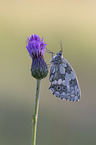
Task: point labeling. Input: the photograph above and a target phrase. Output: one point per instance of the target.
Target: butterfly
(63, 81)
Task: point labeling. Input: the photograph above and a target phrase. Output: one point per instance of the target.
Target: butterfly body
(63, 80)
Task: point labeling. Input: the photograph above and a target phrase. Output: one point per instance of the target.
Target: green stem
(35, 116)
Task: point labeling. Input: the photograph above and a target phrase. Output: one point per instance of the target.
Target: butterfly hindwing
(63, 80)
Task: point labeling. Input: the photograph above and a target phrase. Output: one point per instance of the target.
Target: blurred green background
(60, 122)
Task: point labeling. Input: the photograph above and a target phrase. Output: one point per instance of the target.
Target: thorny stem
(35, 116)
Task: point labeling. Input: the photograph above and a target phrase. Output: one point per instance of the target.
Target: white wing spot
(64, 99)
(72, 95)
(59, 81)
(75, 88)
(51, 77)
(68, 99)
(72, 75)
(54, 82)
(62, 69)
(64, 83)
(64, 65)
(53, 70)
(52, 90)
(76, 98)
(57, 93)
(63, 94)
(67, 77)
(72, 92)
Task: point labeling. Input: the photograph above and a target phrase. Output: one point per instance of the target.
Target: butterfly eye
(64, 88)
(58, 88)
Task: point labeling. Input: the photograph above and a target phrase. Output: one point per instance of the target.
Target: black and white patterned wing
(63, 81)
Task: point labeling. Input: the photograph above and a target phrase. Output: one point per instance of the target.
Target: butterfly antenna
(49, 51)
(61, 44)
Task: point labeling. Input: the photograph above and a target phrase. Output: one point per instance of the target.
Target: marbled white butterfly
(63, 80)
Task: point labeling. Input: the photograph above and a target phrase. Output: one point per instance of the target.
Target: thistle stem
(35, 116)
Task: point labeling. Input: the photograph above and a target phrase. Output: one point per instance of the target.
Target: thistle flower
(36, 48)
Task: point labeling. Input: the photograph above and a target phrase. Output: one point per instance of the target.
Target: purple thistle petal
(35, 46)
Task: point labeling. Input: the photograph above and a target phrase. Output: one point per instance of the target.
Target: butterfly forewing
(63, 80)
